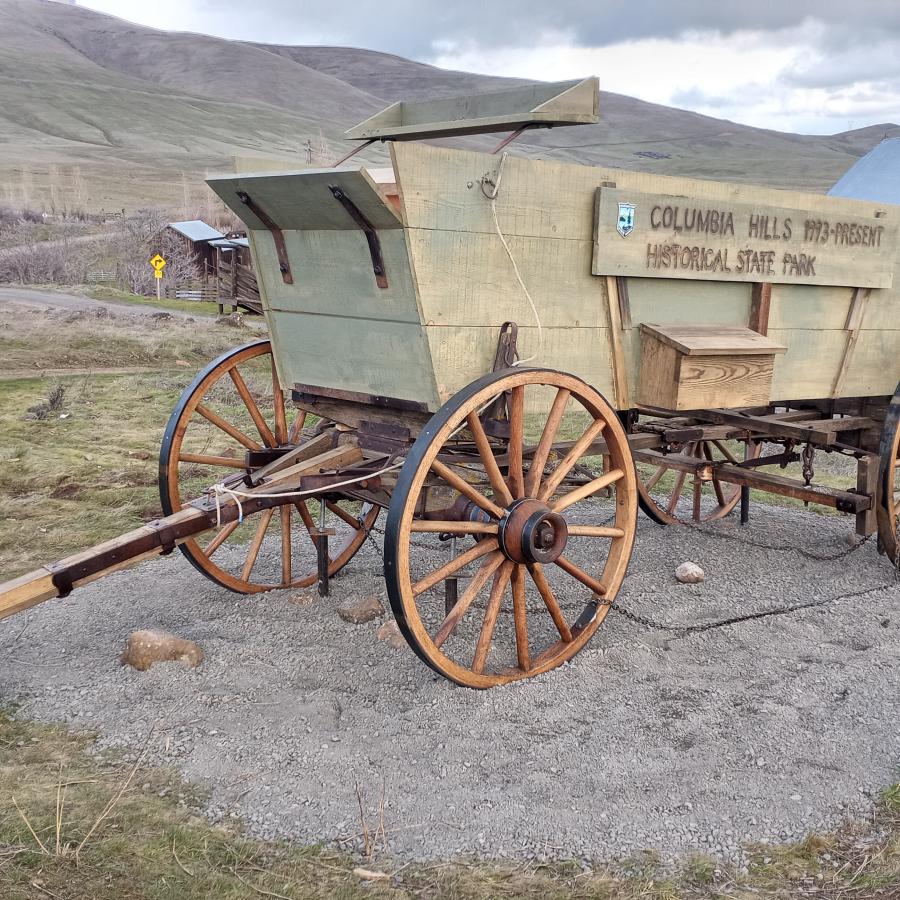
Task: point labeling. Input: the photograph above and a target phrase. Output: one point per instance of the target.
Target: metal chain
(809, 453)
(734, 620)
(809, 554)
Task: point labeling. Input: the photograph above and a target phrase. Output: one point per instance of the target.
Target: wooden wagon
(510, 356)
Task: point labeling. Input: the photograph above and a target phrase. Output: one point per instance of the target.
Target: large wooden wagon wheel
(533, 511)
(888, 493)
(671, 496)
(234, 405)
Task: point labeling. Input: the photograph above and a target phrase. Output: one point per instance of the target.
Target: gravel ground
(763, 730)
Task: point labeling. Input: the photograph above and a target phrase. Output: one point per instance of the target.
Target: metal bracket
(368, 229)
(61, 577)
(284, 262)
(507, 353)
(165, 534)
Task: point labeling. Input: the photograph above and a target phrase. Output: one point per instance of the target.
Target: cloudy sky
(792, 65)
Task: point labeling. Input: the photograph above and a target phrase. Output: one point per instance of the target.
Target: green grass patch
(191, 307)
(68, 483)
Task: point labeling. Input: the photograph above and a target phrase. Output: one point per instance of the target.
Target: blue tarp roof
(196, 230)
(874, 177)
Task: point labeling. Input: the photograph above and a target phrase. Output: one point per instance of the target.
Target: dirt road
(60, 300)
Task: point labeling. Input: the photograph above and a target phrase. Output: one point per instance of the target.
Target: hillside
(100, 113)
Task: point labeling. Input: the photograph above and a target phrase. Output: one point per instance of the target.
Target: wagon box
(511, 356)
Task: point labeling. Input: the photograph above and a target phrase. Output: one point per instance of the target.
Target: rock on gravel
(648, 739)
(358, 612)
(389, 632)
(146, 647)
(689, 573)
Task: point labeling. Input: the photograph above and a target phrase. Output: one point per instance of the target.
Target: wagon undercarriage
(508, 530)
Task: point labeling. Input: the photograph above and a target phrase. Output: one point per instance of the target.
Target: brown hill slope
(100, 113)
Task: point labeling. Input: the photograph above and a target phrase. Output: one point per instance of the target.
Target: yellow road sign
(158, 273)
(159, 264)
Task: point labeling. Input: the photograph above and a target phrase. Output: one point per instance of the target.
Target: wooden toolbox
(700, 366)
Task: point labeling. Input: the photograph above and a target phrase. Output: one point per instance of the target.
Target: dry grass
(34, 340)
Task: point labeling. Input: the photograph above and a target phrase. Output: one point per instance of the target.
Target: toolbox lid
(713, 340)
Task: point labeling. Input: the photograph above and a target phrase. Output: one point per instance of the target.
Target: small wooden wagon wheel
(888, 492)
(537, 509)
(675, 497)
(234, 405)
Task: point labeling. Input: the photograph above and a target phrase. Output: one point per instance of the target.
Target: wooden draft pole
(161, 536)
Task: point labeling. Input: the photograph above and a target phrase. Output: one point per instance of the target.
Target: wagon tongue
(224, 503)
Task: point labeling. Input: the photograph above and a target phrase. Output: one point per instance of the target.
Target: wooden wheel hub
(531, 532)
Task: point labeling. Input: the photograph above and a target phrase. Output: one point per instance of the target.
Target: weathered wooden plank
(466, 278)
(543, 198)
(760, 306)
(619, 365)
(543, 104)
(303, 200)
(854, 322)
(461, 354)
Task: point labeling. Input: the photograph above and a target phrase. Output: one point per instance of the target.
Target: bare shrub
(46, 263)
(54, 403)
(138, 238)
(56, 397)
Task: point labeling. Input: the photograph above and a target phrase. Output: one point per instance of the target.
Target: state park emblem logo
(625, 223)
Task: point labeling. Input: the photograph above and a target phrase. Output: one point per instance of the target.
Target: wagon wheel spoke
(548, 435)
(203, 459)
(342, 514)
(307, 519)
(256, 543)
(439, 526)
(579, 574)
(550, 601)
(676, 492)
(599, 531)
(516, 440)
(655, 477)
(461, 485)
(429, 581)
(726, 453)
(520, 616)
(485, 451)
(487, 568)
(221, 536)
(227, 427)
(286, 545)
(498, 589)
(568, 461)
(258, 420)
(297, 427)
(587, 490)
(717, 485)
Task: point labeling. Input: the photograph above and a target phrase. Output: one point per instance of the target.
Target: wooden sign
(671, 236)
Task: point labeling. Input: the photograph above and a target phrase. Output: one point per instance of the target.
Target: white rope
(492, 196)
(219, 489)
